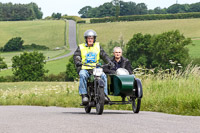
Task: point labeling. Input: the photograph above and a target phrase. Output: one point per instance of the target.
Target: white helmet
(89, 33)
(122, 71)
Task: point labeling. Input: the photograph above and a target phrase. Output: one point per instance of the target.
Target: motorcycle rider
(89, 53)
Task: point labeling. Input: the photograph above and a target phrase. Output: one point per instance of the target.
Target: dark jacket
(103, 56)
(124, 63)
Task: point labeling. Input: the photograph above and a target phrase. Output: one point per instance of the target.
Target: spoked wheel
(136, 102)
(87, 109)
(100, 101)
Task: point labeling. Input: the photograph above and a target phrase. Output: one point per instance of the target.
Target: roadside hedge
(75, 18)
(81, 21)
(147, 17)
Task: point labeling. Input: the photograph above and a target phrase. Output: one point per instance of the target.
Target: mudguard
(139, 90)
(101, 83)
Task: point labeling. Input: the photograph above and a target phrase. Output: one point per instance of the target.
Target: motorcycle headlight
(97, 71)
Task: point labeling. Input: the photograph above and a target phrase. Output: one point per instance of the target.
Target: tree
(116, 3)
(137, 50)
(3, 65)
(14, 44)
(156, 51)
(71, 73)
(195, 7)
(177, 8)
(56, 15)
(16, 12)
(84, 11)
(29, 66)
(159, 10)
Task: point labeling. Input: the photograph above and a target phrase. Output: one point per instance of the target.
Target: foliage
(115, 8)
(16, 12)
(34, 46)
(29, 66)
(156, 51)
(75, 18)
(14, 44)
(56, 15)
(81, 21)
(147, 17)
(55, 77)
(71, 72)
(2, 64)
(110, 46)
(84, 11)
(120, 8)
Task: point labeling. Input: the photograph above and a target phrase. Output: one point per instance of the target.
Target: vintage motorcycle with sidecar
(120, 84)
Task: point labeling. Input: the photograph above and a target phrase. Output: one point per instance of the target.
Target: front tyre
(100, 101)
(88, 109)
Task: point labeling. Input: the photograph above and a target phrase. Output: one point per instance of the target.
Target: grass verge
(169, 95)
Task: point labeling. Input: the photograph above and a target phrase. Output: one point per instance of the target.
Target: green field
(43, 32)
(112, 31)
(47, 53)
(54, 67)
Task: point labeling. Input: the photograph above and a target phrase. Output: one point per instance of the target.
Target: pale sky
(71, 7)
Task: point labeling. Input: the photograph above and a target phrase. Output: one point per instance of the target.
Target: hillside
(49, 33)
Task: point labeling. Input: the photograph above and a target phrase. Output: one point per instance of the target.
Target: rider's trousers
(84, 75)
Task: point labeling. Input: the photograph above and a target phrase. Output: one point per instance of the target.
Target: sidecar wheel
(136, 102)
(88, 109)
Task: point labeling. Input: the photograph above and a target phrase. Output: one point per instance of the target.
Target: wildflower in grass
(173, 63)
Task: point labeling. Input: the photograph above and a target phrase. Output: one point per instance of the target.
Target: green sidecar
(125, 86)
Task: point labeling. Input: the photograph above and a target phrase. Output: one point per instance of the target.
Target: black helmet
(89, 33)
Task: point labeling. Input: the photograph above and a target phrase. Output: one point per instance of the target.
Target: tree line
(121, 8)
(16, 12)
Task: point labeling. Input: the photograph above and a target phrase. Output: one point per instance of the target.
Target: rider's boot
(85, 99)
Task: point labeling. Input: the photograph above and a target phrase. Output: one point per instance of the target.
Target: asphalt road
(34, 119)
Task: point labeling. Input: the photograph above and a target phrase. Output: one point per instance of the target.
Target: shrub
(8, 79)
(75, 18)
(156, 51)
(2, 63)
(52, 77)
(81, 21)
(29, 66)
(14, 44)
(34, 46)
(71, 73)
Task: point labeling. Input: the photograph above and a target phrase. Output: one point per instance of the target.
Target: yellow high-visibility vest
(90, 55)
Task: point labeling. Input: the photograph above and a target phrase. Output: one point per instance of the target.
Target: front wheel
(87, 109)
(100, 101)
(136, 102)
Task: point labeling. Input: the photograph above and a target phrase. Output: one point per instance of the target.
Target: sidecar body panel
(121, 85)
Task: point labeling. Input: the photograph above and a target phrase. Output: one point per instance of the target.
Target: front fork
(98, 84)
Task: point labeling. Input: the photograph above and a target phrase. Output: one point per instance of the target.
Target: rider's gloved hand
(111, 64)
(79, 64)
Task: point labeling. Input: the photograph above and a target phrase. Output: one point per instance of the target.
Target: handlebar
(97, 65)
